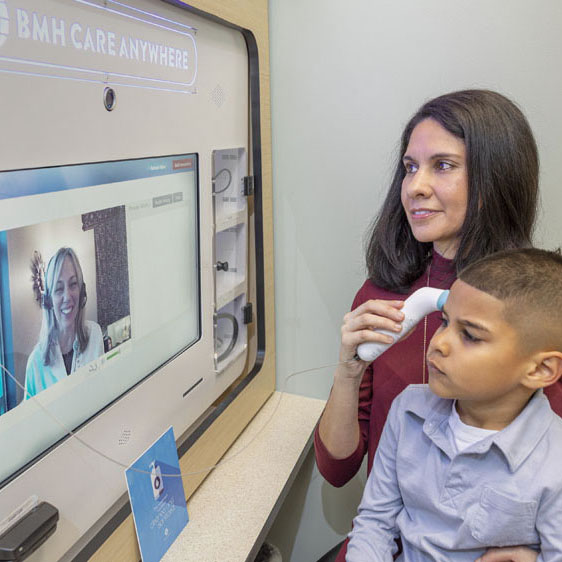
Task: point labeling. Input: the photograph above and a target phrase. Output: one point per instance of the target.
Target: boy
(475, 460)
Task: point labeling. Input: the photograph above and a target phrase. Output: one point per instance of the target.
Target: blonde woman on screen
(67, 340)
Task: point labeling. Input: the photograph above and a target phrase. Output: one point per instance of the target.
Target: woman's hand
(509, 554)
(360, 325)
(339, 428)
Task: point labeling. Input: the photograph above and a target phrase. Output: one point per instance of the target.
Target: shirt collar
(516, 441)
(434, 413)
(522, 435)
(431, 407)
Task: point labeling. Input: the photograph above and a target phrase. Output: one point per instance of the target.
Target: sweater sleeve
(554, 395)
(340, 471)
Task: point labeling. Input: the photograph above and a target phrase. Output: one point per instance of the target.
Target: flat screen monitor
(99, 287)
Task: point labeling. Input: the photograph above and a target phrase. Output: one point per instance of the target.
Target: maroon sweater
(387, 376)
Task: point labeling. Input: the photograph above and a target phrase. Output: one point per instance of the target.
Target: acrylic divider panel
(230, 332)
(230, 194)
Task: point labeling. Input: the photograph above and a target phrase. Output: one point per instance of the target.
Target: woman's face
(66, 296)
(435, 187)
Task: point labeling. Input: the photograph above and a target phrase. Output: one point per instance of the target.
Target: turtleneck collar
(442, 269)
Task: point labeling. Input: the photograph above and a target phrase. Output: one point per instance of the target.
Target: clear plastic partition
(230, 191)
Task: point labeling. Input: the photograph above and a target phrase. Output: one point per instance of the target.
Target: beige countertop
(232, 511)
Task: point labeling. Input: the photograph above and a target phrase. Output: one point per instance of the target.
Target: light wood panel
(207, 451)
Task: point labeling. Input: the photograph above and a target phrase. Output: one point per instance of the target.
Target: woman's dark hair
(503, 174)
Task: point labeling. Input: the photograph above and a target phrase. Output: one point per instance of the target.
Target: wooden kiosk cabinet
(243, 256)
(138, 133)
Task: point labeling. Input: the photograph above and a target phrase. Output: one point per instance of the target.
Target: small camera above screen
(109, 98)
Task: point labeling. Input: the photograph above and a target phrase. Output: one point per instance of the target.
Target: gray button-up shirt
(503, 490)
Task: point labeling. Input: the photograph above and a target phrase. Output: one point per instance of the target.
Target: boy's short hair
(529, 282)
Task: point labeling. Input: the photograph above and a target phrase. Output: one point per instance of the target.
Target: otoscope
(419, 304)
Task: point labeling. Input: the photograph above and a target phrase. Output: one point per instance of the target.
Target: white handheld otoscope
(419, 304)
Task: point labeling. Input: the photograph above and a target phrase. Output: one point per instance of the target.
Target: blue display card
(157, 497)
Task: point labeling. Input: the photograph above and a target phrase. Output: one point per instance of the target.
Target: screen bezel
(144, 378)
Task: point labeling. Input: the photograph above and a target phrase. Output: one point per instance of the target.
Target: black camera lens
(109, 99)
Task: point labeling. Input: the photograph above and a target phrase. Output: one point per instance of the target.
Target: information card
(157, 497)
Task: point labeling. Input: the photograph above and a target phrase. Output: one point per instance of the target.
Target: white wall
(345, 78)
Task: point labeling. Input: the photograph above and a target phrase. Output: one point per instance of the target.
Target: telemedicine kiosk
(135, 133)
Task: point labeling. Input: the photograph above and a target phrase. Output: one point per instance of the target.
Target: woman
(465, 185)
(67, 341)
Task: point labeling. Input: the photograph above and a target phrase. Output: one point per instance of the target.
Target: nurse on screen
(67, 341)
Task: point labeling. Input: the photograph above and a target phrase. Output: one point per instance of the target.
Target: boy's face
(475, 355)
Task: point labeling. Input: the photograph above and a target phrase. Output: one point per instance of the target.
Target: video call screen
(99, 286)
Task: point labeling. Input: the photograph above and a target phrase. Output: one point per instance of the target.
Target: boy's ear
(546, 369)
